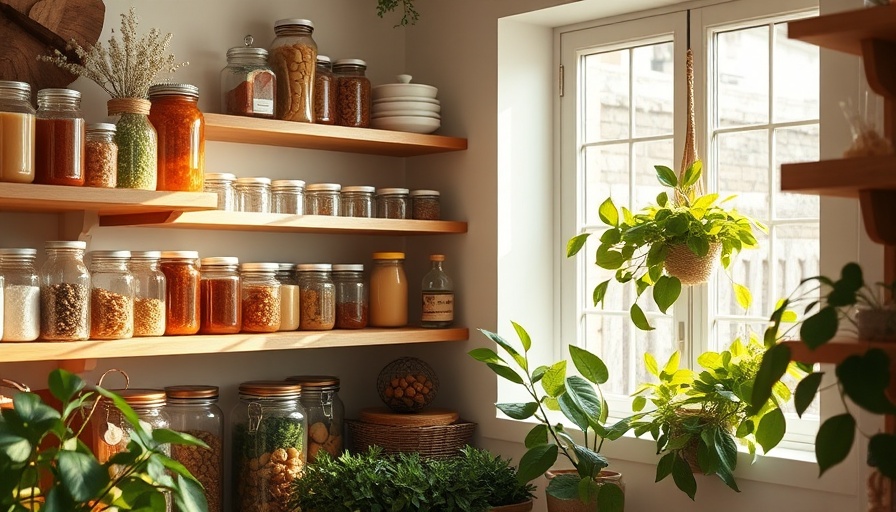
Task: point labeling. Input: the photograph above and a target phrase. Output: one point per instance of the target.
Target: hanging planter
(689, 268)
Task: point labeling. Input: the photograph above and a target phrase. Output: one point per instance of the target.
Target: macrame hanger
(690, 142)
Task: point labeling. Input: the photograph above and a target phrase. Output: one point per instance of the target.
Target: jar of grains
(221, 184)
(289, 297)
(180, 127)
(253, 194)
(194, 410)
(149, 293)
(425, 205)
(352, 93)
(324, 92)
(388, 290)
(325, 412)
(357, 201)
(64, 292)
(288, 196)
(317, 296)
(269, 435)
(111, 295)
(100, 156)
(219, 303)
(248, 84)
(112, 431)
(351, 296)
(21, 295)
(17, 120)
(392, 203)
(181, 269)
(293, 57)
(59, 141)
(260, 292)
(322, 199)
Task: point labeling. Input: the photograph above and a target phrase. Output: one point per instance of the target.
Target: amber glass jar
(293, 57)
(181, 136)
(219, 302)
(59, 145)
(352, 93)
(17, 129)
(181, 269)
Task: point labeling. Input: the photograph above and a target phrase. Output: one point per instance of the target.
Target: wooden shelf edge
(835, 352)
(844, 31)
(843, 177)
(56, 199)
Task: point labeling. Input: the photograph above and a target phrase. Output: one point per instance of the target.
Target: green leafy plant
(45, 467)
(637, 245)
(409, 13)
(580, 400)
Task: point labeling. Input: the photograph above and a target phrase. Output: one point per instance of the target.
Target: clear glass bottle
(322, 199)
(260, 297)
(59, 143)
(180, 128)
(290, 316)
(324, 92)
(111, 295)
(253, 194)
(64, 292)
(388, 290)
(149, 293)
(325, 412)
(425, 205)
(317, 296)
(293, 57)
(351, 296)
(100, 156)
(269, 441)
(219, 303)
(352, 93)
(21, 295)
(392, 203)
(17, 132)
(248, 84)
(358, 201)
(221, 183)
(288, 196)
(181, 269)
(438, 295)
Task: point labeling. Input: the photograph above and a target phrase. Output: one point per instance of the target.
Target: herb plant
(409, 13)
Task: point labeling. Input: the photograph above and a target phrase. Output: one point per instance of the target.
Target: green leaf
(771, 429)
(518, 411)
(573, 411)
(64, 385)
(666, 291)
(664, 466)
(126, 411)
(672, 364)
(608, 213)
(882, 454)
(554, 380)
(771, 369)
(638, 403)
(666, 176)
(486, 355)
(565, 486)
(191, 497)
(536, 461)
(575, 244)
(506, 372)
(600, 291)
(610, 498)
(611, 236)
(819, 328)
(806, 391)
(865, 379)
(692, 174)
(704, 202)
(698, 246)
(593, 461)
(683, 477)
(651, 365)
(639, 319)
(834, 441)
(32, 410)
(589, 365)
(538, 435)
(523, 335)
(662, 199)
(81, 474)
(584, 395)
(743, 295)
(17, 448)
(608, 258)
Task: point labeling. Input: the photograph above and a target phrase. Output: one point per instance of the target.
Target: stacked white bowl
(405, 107)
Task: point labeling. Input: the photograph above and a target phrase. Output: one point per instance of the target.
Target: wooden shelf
(250, 130)
(107, 201)
(844, 177)
(834, 352)
(845, 31)
(200, 344)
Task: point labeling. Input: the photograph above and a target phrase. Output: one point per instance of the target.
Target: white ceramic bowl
(413, 124)
(411, 113)
(404, 88)
(419, 99)
(381, 106)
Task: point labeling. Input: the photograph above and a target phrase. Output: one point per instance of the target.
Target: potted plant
(45, 467)
(581, 402)
(671, 243)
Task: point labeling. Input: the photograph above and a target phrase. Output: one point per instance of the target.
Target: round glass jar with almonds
(326, 414)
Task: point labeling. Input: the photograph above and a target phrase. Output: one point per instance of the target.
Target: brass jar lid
(271, 389)
(187, 392)
(315, 381)
(137, 397)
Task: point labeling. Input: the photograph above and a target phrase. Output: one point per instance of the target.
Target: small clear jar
(352, 93)
(260, 297)
(290, 316)
(64, 292)
(221, 183)
(351, 296)
(358, 201)
(219, 297)
(194, 410)
(253, 194)
(392, 203)
(180, 127)
(322, 199)
(59, 143)
(388, 290)
(100, 156)
(21, 295)
(111, 295)
(324, 92)
(149, 293)
(248, 84)
(288, 196)
(425, 205)
(181, 269)
(325, 412)
(317, 296)
(17, 116)
(293, 57)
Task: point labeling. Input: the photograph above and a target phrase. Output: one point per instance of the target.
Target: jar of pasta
(219, 302)
(181, 269)
(324, 92)
(317, 296)
(180, 127)
(293, 57)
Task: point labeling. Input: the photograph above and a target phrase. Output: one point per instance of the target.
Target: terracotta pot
(876, 324)
(558, 505)
(689, 268)
(525, 506)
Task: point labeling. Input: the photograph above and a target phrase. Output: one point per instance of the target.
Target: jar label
(438, 306)
(263, 106)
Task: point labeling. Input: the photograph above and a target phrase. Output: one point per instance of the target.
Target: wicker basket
(689, 268)
(434, 441)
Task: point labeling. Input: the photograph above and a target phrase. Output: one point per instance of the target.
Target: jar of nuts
(407, 384)
(320, 398)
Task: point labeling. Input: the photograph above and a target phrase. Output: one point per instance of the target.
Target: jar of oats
(260, 297)
(293, 57)
(149, 293)
(194, 410)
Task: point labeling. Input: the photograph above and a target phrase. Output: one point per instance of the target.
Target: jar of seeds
(64, 292)
(260, 297)
(21, 295)
(111, 295)
(222, 185)
(325, 412)
(352, 93)
(392, 203)
(100, 156)
(253, 194)
(194, 410)
(317, 296)
(149, 293)
(293, 57)
(322, 199)
(288, 196)
(358, 201)
(425, 205)
(220, 307)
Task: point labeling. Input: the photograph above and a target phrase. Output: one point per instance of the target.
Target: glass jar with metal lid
(100, 156)
(181, 269)
(351, 296)
(325, 412)
(221, 183)
(59, 138)
(288, 196)
(352, 93)
(260, 297)
(425, 205)
(193, 409)
(248, 84)
(358, 201)
(149, 293)
(324, 92)
(17, 116)
(293, 57)
(289, 297)
(269, 435)
(317, 296)
(64, 292)
(322, 199)
(219, 297)
(112, 431)
(180, 127)
(388, 290)
(392, 203)
(111, 295)
(21, 295)
(253, 194)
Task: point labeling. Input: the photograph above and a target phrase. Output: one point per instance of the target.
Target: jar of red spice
(181, 269)
(317, 296)
(260, 293)
(351, 296)
(60, 136)
(181, 136)
(248, 84)
(219, 299)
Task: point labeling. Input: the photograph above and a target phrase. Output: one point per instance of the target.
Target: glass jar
(248, 84)
(137, 143)
(352, 93)
(59, 141)
(288, 196)
(221, 184)
(17, 132)
(111, 295)
(180, 128)
(260, 297)
(181, 269)
(289, 297)
(351, 296)
(21, 295)
(149, 293)
(322, 199)
(293, 57)
(100, 156)
(219, 302)
(317, 296)
(357, 201)
(64, 292)
(194, 410)
(392, 203)
(425, 205)
(388, 290)
(325, 413)
(269, 435)
(253, 194)
(324, 92)
(438, 295)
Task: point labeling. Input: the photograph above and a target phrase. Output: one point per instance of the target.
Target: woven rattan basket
(434, 441)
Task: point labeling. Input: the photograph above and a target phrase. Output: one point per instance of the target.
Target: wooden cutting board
(425, 418)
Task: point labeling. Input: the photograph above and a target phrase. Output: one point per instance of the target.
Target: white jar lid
(255, 180)
(223, 176)
(314, 267)
(179, 254)
(424, 193)
(66, 244)
(348, 267)
(259, 267)
(219, 261)
(287, 184)
(324, 186)
(146, 255)
(286, 266)
(101, 127)
(110, 254)
(24, 251)
(293, 21)
(391, 191)
(360, 188)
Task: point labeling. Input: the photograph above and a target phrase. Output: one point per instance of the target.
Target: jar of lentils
(260, 297)
(317, 296)
(425, 205)
(288, 196)
(358, 201)
(194, 410)
(352, 93)
(149, 293)
(222, 185)
(322, 199)
(325, 412)
(21, 295)
(219, 297)
(100, 156)
(392, 203)
(351, 296)
(64, 292)
(289, 297)
(181, 269)
(253, 194)
(111, 295)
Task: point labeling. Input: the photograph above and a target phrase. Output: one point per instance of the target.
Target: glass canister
(100, 156)
(21, 295)
(194, 410)
(324, 92)
(112, 432)
(358, 201)
(149, 293)
(288, 196)
(181, 269)
(111, 295)
(59, 143)
(269, 435)
(219, 303)
(221, 184)
(289, 297)
(260, 297)
(17, 132)
(137, 143)
(293, 57)
(322, 199)
(392, 203)
(253, 194)
(317, 296)
(425, 205)
(64, 292)
(180, 128)
(352, 93)
(325, 412)
(248, 84)
(388, 290)
(351, 296)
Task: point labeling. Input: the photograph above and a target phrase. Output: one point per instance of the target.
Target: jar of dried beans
(325, 412)
(322, 199)
(21, 295)
(248, 84)
(59, 142)
(17, 119)
(221, 184)
(219, 301)
(392, 203)
(194, 410)
(100, 156)
(352, 93)
(357, 201)
(351, 296)
(293, 57)
(269, 435)
(111, 295)
(180, 127)
(317, 296)
(260, 297)
(324, 92)
(425, 205)
(181, 269)
(289, 297)
(149, 294)
(253, 194)
(64, 292)
(388, 290)
(288, 196)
